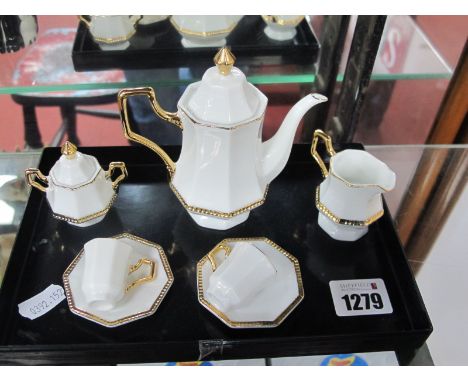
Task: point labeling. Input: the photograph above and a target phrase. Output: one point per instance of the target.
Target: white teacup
(106, 272)
(282, 28)
(245, 272)
(112, 32)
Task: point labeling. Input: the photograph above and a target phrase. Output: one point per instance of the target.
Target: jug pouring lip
(385, 186)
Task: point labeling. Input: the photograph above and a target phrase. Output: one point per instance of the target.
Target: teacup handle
(86, 21)
(144, 279)
(319, 134)
(212, 254)
(123, 169)
(31, 174)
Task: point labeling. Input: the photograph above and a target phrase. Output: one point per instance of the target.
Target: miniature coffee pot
(78, 190)
(224, 168)
(350, 197)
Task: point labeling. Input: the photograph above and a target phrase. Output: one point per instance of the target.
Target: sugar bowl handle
(144, 279)
(31, 175)
(123, 169)
(319, 134)
(212, 254)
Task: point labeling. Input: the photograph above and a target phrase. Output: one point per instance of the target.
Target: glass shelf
(405, 53)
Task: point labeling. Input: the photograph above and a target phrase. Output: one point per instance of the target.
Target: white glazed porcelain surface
(112, 27)
(137, 303)
(114, 46)
(105, 275)
(226, 166)
(352, 191)
(223, 99)
(192, 29)
(280, 32)
(74, 172)
(244, 273)
(81, 202)
(270, 302)
(219, 223)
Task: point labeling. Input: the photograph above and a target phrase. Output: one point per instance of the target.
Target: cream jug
(224, 168)
(350, 197)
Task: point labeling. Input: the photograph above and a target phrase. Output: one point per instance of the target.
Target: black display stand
(160, 46)
(182, 329)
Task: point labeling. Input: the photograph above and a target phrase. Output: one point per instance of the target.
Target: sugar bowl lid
(224, 96)
(73, 168)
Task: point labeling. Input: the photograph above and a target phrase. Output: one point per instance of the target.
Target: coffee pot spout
(275, 151)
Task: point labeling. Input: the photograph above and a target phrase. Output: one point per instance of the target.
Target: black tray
(182, 329)
(160, 47)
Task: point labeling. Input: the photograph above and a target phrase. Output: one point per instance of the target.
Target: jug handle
(173, 118)
(319, 134)
(86, 21)
(31, 173)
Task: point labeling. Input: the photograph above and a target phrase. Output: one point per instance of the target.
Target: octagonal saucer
(270, 306)
(138, 303)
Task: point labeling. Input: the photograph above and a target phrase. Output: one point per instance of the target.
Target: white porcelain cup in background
(112, 32)
(245, 272)
(106, 272)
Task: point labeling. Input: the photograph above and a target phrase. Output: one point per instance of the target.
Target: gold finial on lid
(224, 60)
(69, 150)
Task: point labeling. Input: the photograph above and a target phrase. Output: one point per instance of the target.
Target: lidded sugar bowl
(77, 188)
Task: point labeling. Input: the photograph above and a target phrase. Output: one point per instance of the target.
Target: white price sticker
(360, 297)
(41, 303)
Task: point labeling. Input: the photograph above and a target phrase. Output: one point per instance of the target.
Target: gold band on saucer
(130, 318)
(250, 324)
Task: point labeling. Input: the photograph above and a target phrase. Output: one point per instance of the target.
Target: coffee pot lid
(74, 168)
(224, 96)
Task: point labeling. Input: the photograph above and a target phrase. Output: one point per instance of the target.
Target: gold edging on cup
(319, 134)
(278, 20)
(189, 32)
(133, 317)
(111, 40)
(251, 324)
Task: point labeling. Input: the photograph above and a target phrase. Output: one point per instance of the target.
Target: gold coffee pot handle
(173, 118)
(319, 134)
(212, 254)
(123, 169)
(144, 279)
(31, 174)
(86, 21)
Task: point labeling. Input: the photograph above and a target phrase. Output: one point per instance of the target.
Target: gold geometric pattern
(218, 214)
(356, 223)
